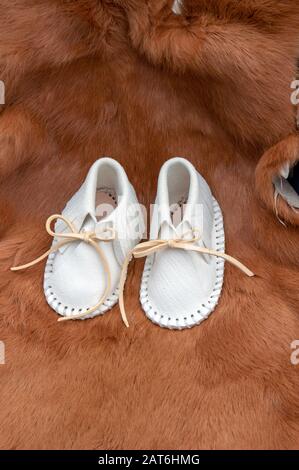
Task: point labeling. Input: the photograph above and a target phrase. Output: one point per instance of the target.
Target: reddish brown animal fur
(129, 79)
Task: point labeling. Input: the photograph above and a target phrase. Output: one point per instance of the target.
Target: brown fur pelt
(129, 79)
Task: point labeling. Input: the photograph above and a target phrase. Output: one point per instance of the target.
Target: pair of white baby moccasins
(99, 232)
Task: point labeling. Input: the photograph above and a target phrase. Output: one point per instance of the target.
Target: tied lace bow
(142, 250)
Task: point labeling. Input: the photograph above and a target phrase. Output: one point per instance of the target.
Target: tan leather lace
(142, 250)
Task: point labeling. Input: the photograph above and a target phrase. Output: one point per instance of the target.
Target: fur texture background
(131, 80)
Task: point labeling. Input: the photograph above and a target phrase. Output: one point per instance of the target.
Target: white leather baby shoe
(184, 269)
(93, 237)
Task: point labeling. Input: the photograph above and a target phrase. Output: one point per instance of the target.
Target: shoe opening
(109, 189)
(178, 183)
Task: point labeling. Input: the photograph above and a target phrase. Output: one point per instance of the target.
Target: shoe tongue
(185, 230)
(167, 232)
(198, 215)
